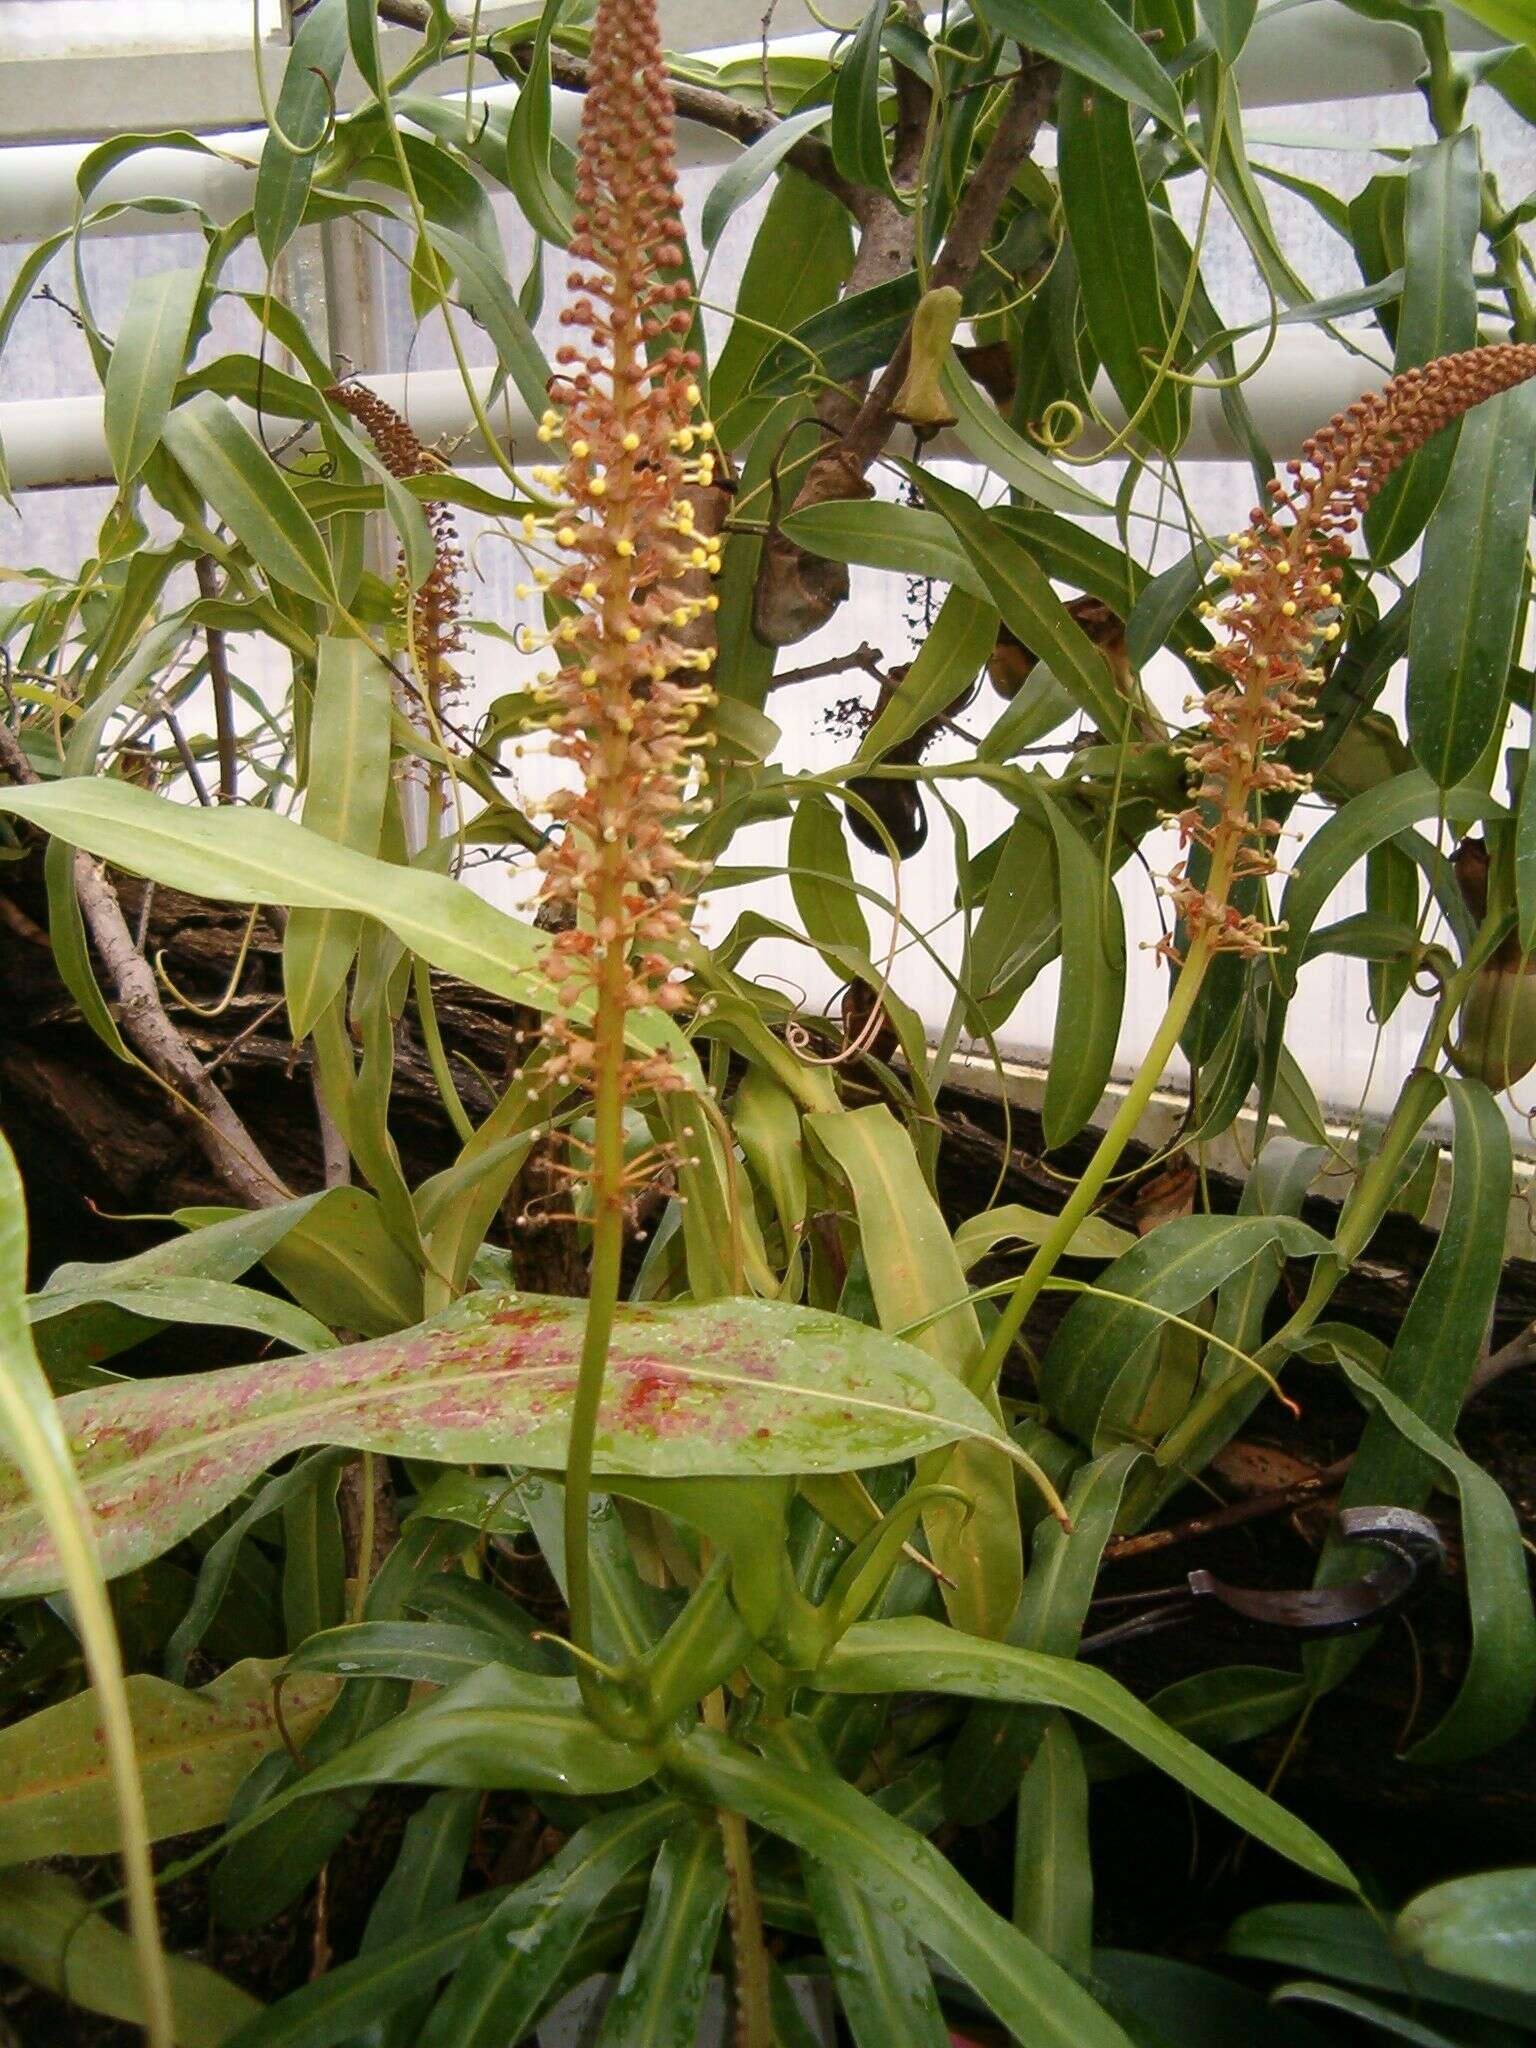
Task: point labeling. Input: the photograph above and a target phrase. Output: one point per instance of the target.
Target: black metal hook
(1414, 1555)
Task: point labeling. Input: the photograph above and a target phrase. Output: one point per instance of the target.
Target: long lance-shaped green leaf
(1499, 1686)
(884, 1986)
(194, 1748)
(902, 538)
(857, 137)
(345, 794)
(1089, 36)
(920, 1655)
(914, 1273)
(995, 1743)
(1365, 821)
(821, 876)
(802, 254)
(243, 855)
(500, 1730)
(1092, 996)
(753, 168)
(1052, 1868)
(907, 1878)
(1031, 610)
(305, 104)
(530, 163)
(86, 1313)
(348, 1999)
(33, 1435)
(1228, 23)
(427, 1875)
(1357, 1946)
(250, 494)
(1483, 1926)
(947, 663)
(733, 1388)
(1438, 317)
(50, 1934)
(146, 363)
(983, 430)
(660, 1993)
(1091, 1371)
(519, 1953)
(1469, 593)
(1105, 204)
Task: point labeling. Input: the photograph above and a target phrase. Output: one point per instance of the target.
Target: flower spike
(1278, 615)
(432, 613)
(633, 680)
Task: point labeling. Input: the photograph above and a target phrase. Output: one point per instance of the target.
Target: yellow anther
(1283, 567)
(530, 526)
(589, 589)
(589, 675)
(566, 536)
(681, 616)
(1288, 609)
(1332, 632)
(698, 558)
(630, 443)
(597, 486)
(711, 603)
(693, 394)
(631, 635)
(581, 450)
(623, 549)
(705, 430)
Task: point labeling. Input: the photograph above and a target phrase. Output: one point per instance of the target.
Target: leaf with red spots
(194, 1748)
(732, 1388)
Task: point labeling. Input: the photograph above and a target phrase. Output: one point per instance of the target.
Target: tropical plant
(696, 1523)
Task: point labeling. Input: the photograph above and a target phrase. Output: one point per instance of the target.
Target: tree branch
(228, 1145)
(223, 692)
(1029, 101)
(743, 123)
(797, 592)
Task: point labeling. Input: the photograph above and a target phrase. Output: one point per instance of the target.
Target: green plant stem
(1122, 1129)
(749, 1952)
(1196, 1435)
(39, 1450)
(607, 1183)
(437, 1056)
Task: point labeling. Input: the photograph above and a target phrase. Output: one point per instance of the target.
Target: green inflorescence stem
(607, 1184)
(1098, 1170)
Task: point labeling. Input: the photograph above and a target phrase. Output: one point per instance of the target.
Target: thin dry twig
(223, 692)
(745, 124)
(226, 1143)
(1120, 1548)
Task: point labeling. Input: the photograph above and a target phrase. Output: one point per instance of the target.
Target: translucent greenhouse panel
(1336, 147)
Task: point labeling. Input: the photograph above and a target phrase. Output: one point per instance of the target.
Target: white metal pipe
(39, 189)
(86, 92)
(1313, 52)
(61, 443)
(56, 443)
